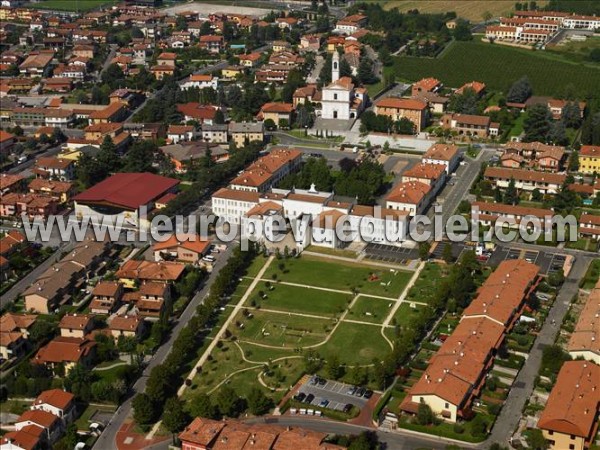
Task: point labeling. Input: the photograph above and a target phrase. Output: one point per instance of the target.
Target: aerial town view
(300, 224)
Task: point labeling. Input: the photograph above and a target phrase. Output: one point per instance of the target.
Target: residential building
(114, 112)
(512, 216)
(183, 153)
(585, 339)
(457, 372)
(203, 114)
(397, 108)
(469, 125)
(433, 175)
(268, 170)
(76, 325)
(50, 424)
(126, 197)
(36, 64)
(11, 183)
(181, 133)
(106, 297)
(53, 287)
(212, 43)
(66, 351)
(277, 112)
(34, 206)
(350, 24)
(525, 180)
(135, 271)
(306, 94)
(201, 81)
(476, 87)
(57, 402)
(447, 155)
(589, 159)
(589, 225)
(413, 197)
(245, 132)
(207, 434)
(58, 190)
(127, 326)
(426, 85)
(55, 168)
(187, 249)
(162, 71)
(570, 418)
(250, 60)
(535, 155)
(216, 133)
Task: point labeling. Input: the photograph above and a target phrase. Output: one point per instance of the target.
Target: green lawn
(355, 344)
(592, 275)
(281, 330)
(424, 289)
(340, 275)
(499, 66)
(370, 309)
(300, 300)
(72, 5)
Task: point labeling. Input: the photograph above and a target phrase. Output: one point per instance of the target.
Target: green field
(355, 344)
(340, 275)
(72, 5)
(300, 300)
(370, 309)
(281, 330)
(499, 66)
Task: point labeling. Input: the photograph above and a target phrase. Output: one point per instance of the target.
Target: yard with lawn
(423, 291)
(72, 5)
(355, 344)
(340, 275)
(592, 275)
(498, 67)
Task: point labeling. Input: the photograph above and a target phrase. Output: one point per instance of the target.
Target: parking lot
(548, 261)
(390, 253)
(457, 249)
(336, 393)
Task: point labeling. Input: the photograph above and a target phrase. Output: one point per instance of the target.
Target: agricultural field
(472, 10)
(499, 66)
(72, 5)
(574, 50)
(302, 304)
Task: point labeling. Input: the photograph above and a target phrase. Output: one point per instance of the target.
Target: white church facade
(341, 99)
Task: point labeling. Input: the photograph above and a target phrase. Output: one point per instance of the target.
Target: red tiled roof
(573, 403)
(189, 242)
(401, 103)
(130, 190)
(55, 397)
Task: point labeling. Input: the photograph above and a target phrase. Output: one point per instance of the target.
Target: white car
(208, 258)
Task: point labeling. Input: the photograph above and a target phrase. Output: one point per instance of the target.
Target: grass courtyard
(72, 5)
(340, 275)
(311, 303)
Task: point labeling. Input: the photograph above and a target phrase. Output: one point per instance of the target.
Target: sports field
(300, 305)
(71, 5)
(499, 66)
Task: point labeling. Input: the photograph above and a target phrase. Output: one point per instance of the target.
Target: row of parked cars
(308, 399)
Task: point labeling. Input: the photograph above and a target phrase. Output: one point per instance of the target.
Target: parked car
(324, 403)
(347, 407)
(309, 398)
(322, 381)
(208, 258)
(352, 390)
(368, 394)
(300, 396)
(360, 392)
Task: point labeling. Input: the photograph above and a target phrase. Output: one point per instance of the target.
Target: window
(571, 446)
(551, 432)
(421, 399)
(446, 405)
(335, 96)
(572, 436)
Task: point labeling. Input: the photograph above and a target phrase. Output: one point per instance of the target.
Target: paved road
(28, 279)
(108, 438)
(109, 58)
(524, 383)
(463, 180)
(23, 168)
